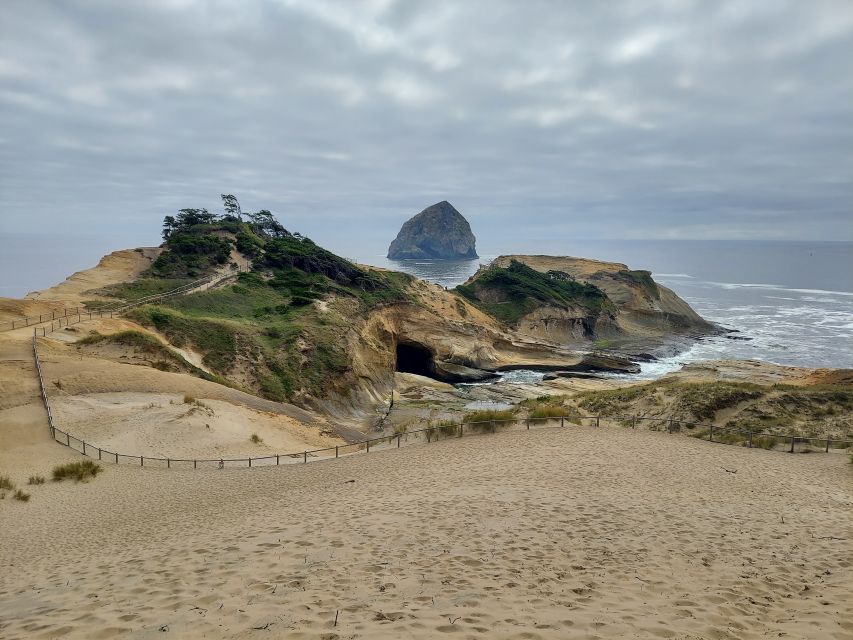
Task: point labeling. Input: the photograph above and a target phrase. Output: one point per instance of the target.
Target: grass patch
(489, 419)
(6, 483)
(765, 442)
(548, 411)
(256, 439)
(644, 280)
(138, 289)
(217, 340)
(77, 471)
(20, 495)
(445, 428)
(36, 480)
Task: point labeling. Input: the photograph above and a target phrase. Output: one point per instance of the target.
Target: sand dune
(119, 266)
(164, 425)
(574, 533)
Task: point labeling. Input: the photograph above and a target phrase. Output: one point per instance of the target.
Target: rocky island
(439, 232)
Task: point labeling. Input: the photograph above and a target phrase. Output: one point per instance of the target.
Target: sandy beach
(554, 533)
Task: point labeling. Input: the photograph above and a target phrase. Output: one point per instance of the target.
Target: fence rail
(66, 316)
(395, 441)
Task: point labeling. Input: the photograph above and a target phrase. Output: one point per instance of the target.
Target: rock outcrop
(576, 300)
(438, 232)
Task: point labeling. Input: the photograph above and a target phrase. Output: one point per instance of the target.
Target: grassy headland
(511, 293)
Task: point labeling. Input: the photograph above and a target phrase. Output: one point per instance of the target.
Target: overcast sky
(674, 119)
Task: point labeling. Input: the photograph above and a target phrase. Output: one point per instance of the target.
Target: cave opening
(415, 358)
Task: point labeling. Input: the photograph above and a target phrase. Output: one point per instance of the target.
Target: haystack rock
(438, 232)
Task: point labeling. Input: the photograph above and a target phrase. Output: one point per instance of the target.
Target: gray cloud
(618, 119)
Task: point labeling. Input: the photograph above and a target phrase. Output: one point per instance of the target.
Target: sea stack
(439, 232)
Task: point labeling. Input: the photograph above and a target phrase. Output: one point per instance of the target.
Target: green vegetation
(265, 325)
(445, 429)
(811, 411)
(36, 480)
(138, 289)
(644, 280)
(510, 293)
(489, 420)
(77, 471)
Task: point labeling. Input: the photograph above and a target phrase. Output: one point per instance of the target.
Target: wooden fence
(423, 435)
(73, 315)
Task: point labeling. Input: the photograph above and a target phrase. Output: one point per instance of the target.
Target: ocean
(794, 300)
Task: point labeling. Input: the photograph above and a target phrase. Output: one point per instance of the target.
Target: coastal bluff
(439, 232)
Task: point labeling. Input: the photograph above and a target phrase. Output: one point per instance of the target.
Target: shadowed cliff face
(437, 232)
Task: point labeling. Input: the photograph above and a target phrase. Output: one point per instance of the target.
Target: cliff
(573, 300)
(437, 232)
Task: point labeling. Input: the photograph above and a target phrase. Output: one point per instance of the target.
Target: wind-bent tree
(231, 206)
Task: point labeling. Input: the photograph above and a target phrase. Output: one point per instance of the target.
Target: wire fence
(74, 315)
(428, 434)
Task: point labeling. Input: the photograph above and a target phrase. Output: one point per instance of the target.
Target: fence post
(99, 453)
(336, 451)
(116, 458)
(750, 439)
(398, 440)
(67, 440)
(827, 445)
(305, 458)
(195, 464)
(670, 425)
(84, 447)
(793, 438)
(276, 459)
(141, 461)
(633, 422)
(429, 434)
(528, 424)
(168, 463)
(711, 434)
(561, 421)
(461, 428)
(597, 421)
(368, 445)
(250, 461)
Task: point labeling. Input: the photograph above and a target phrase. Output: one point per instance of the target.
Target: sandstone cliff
(583, 300)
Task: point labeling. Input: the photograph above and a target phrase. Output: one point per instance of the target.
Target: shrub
(188, 399)
(447, 428)
(256, 438)
(765, 442)
(20, 495)
(36, 480)
(488, 419)
(6, 483)
(77, 471)
(548, 411)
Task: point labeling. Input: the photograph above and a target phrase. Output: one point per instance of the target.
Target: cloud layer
(612, 119)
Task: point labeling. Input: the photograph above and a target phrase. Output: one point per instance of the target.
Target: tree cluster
(261, 222)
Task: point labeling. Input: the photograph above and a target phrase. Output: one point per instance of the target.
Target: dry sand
(119, 266)
(164, 425)
(573, 533)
